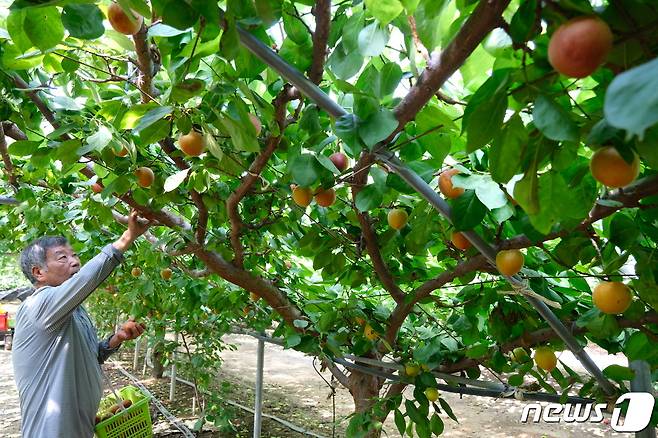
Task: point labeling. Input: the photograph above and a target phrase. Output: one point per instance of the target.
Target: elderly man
(56, 353)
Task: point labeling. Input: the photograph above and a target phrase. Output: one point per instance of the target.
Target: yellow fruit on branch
(302, 196)
(397, 218)
(445, 184)
(192, 143)
(545, 359)
(509, 262)
(612, 297)
(460, 241)
(610, 169)
(145, 177)
(121, 22)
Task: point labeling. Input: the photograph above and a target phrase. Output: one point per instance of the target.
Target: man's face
(61, 264)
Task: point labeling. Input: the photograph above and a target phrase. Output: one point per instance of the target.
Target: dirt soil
(295, 392)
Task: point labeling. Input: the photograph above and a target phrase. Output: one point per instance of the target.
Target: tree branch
(322, 12)
(358, 181)
(441, 66)
(145, 63)
(272, 142)
(336, 372)
(34, 97)
(9, 167)
(13, 131)
(264, 288)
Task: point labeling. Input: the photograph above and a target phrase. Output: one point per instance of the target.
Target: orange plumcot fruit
(432, 394)
(166, 274)
(145, 177)
(545, 359)
(325, 198)
(253, 296)
(340, 160)
(287, 264)
(192, 143)
(397, 218)
(256, 122)
(612, 297)
(369, 333)
(136, 272)
(610, 169)
(121, 22)
(460, 241)
(509, 261)
(302, 196)
(96, 188)
(579, 46)
(122, 153)
(445, 184)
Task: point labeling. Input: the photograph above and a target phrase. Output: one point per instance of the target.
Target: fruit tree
(535, 119)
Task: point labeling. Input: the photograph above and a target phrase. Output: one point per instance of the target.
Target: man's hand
(136, 227)
(129, 330)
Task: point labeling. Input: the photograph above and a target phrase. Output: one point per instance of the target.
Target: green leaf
(44, 27)
(368, 198)
(496, 85)
(22, 148)
(344, 63)
(467, 211)
(162, 30)
(525, 191)
(243, 138)
(399, 422)
(295, 29)
(637, 347)
(326, 321)
(553, 120)
(631, 100)
(448, 410)
(151, 117)
(229, 44)
(423, 428)
(175, 180)
(436, 424)
(83, 21)
(515, 380)
(507, 150)
(176, 13)
(384, 11)
(97, 141)
(372, 40)
(412, 412)
(523, 22)
(305, 170)
(133, 116)
(187, 89)
(623, 231)
(485, 121)
(377, 127)
(618, 373)
(16, 29)
(297, 54)
(476, 351)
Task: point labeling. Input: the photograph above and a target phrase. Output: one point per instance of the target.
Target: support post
(258, 407)
(172, 385)
(642, 383)
(138, 344)
(313, 92)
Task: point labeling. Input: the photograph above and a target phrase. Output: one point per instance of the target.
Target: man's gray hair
(35, 254)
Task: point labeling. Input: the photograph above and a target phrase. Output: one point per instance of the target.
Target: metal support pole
(172, 385)
(314, 93)
(258, 406)
(642, 383)
(138, 344)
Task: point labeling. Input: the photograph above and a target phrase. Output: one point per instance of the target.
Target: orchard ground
(295, 392)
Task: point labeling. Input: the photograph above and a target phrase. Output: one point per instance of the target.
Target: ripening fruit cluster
(303, 196)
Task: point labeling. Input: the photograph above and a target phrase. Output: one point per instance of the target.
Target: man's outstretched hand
(136, 227)
(129, 330)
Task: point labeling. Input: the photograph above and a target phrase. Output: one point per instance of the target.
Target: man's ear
(38, 273)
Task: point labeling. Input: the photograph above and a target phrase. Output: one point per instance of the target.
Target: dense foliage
(445, 84)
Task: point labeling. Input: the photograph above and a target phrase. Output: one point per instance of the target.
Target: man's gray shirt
(56, 355)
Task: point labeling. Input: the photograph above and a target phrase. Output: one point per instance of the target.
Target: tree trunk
(365, 390)
(158, 358)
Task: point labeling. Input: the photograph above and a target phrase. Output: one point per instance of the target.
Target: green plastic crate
(132, 422)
